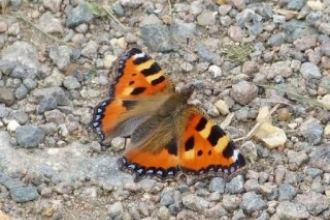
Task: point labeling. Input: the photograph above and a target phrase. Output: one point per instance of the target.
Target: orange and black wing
(205, 149)
(139, 76)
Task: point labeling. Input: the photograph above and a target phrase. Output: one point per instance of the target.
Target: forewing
(138, 77)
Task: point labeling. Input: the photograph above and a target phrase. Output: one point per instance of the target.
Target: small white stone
(108, 60)
(12, 125)
(63, 130)
(222, 107)
(326, 131)
(215, 71)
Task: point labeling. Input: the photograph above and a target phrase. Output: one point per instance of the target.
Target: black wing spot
(131, 83)
(240, 160)
(200, 153)
(141, 59)
(171, 147)
(229, 150)
(210, 152)
(189, 143)
(138, 90)
(201, 124)
(153, 69)
(133, 74)
(215, 134)
(157, 81)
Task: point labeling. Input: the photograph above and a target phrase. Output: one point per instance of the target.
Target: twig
(114, 18)
(256, 126)
(299, 97)
(26, 20)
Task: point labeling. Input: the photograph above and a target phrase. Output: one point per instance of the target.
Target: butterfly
(168, 136)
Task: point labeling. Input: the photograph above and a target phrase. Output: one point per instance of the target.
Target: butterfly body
(168, 136)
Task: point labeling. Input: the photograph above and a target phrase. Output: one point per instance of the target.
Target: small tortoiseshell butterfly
(168, 136)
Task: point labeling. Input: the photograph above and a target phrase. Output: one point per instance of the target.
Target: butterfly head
(187, 90)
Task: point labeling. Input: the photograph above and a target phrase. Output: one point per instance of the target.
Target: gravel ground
(246, 56)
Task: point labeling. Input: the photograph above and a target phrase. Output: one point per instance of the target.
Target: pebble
(215, 71)
(236, 33)
(46, 104)
(90, 49)
(276, 39)
(236, 185)
(298, 158)
(49, 24)
(315, 203)
(310, 71)
(23, 54)
(195, 203)
(29, 135)
(24, 194)
(286, 192)
(320, 158)
(290, 210)
(243, 92)
(312, 130)
(57, 92)
(78, 15)
(55, 116)
(231, 202)
(60, 55)
(161, 37)
(115, 209)
(7, 96)
(21, 92)
(71, 82)
(53, 5)
(150, 20)
(163, 213)
(217, 184)
(222, 107)
(251, 202)
(206, 18)
(3, 216)
(12, 125)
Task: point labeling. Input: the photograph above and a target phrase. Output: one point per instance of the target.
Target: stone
(90, 50)
(195, 203)
(49, 24)
(53, 5)
(115, 209)
(7, 96)
(46, 104)
(310, 71)
(222, 107)
(29, 135)
(157, 37)
(235, 185)
(270, 135)
(320, 158)
(23, 54)
(290, 210)
(71, 82)
(286, 192)
(217, 184)
(21, 92)
(60, 55)
(206, 18)
(231, 202)
(312, 130)
(244, 92)
(24, 194)
(78, 15)
(251, 202)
